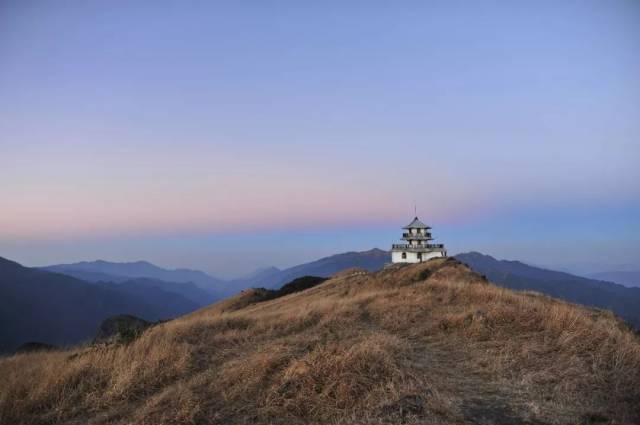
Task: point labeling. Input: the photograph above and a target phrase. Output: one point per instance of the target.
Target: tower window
(404, 255)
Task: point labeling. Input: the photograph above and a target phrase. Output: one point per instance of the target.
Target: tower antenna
(415, 210)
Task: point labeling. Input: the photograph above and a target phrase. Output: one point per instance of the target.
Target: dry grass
(430, 343)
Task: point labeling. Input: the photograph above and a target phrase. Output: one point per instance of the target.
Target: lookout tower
(417, 249)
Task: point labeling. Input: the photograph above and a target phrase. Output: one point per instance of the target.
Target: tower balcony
(417, 236)
(418, 248)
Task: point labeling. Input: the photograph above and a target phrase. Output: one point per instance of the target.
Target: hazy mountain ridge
(189, 290)
(86, 275)
(268, 277)
(118, 272)
(627, 278)
(257, 278)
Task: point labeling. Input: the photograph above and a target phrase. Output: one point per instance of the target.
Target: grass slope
(427, 343)
(623, 301)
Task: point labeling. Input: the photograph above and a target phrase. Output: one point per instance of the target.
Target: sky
(228, 136)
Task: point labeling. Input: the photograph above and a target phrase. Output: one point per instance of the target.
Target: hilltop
(425, 343)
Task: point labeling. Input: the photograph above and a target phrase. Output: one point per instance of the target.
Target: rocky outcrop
(32, 346)
(120, 329)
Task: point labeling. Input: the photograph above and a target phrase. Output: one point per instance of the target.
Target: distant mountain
(590, 268)
(146, 287)
(118, 272)
(371, 260)
(626, 278)
(269, 277)
(53, 308)
(189, 290)
(87, 276)
(257, 278)
(623, 301)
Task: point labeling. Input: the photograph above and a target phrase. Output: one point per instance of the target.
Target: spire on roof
(416, 224)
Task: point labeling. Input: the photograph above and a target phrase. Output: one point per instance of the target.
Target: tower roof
(416, 224)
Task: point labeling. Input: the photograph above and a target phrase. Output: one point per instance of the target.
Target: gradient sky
(226, 136)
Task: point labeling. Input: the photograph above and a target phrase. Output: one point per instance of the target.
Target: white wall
(412, 257)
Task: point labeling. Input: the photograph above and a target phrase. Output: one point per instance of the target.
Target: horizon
(227, 138)
(585, 269)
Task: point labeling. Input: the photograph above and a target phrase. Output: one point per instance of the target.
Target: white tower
(418, 248)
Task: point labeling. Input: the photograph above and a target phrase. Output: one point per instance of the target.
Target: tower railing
(417, 247)
(416, 235)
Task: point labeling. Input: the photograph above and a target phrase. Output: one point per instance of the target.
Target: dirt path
(475, 396)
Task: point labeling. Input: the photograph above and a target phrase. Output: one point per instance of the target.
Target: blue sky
(227, 136)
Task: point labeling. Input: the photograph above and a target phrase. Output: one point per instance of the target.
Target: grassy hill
(427, 343)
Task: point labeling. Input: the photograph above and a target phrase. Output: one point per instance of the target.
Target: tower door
(420, 256)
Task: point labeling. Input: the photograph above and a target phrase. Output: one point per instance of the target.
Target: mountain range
(53, 308)
(270, 277)
(106, 271)
(64, 304)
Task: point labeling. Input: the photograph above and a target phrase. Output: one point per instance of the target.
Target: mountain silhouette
(52, 308)
(101, 270)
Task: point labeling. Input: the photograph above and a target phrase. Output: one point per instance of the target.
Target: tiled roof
(416, 224)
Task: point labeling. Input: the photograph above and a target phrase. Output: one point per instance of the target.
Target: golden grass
(430, 343)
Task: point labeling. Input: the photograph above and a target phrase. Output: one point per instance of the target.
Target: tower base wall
(412, 257)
